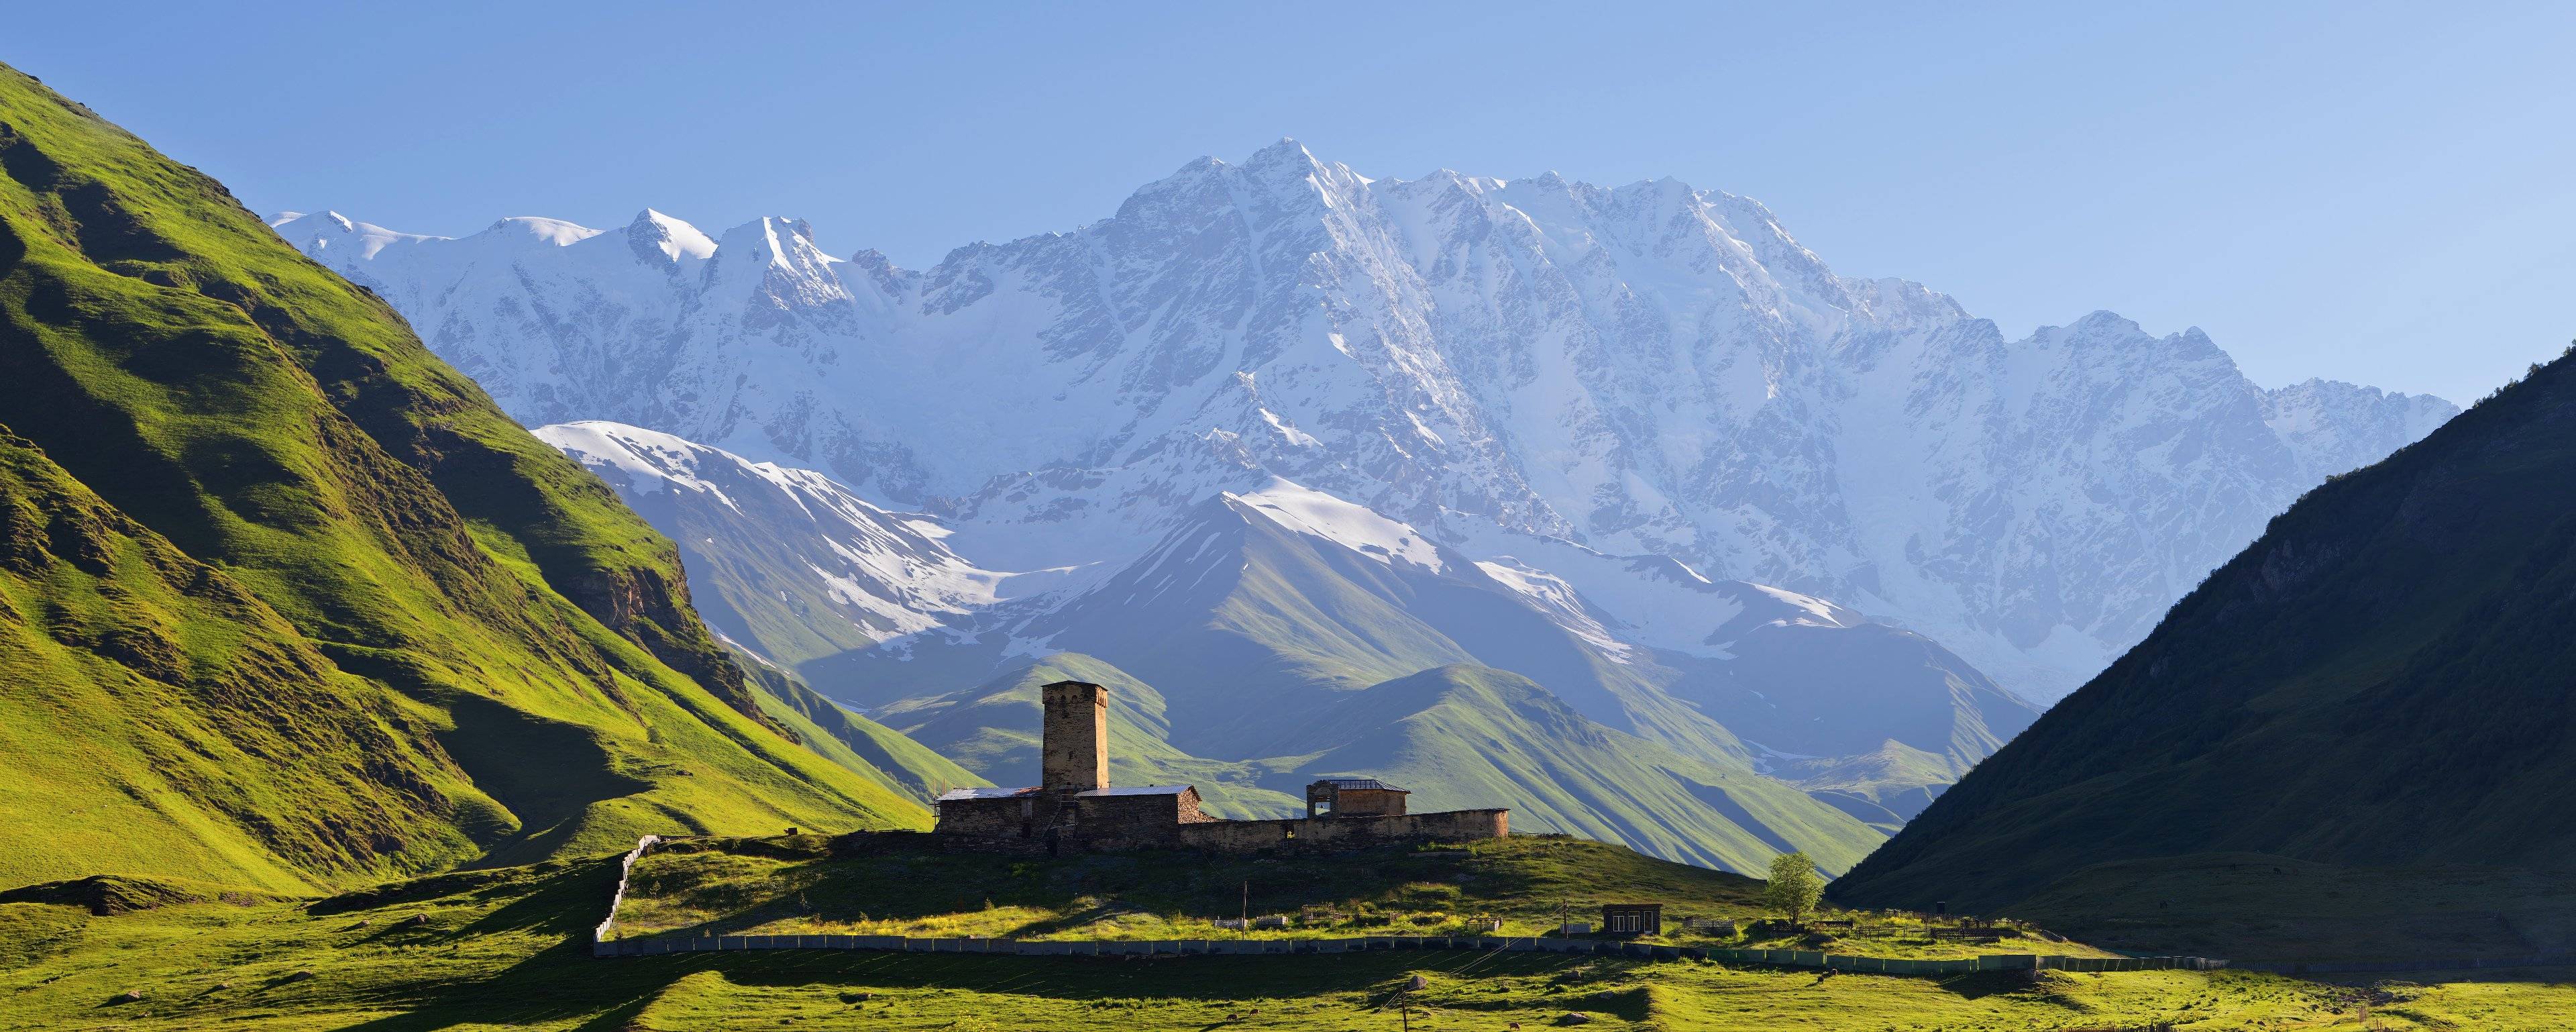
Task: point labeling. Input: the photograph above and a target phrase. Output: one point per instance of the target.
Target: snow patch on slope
(889, 572)
(1315, 513)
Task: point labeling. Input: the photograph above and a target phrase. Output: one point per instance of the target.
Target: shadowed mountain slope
(2381, 681)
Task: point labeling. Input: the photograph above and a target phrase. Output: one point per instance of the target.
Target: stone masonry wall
(1073, 749)
(983, 818)
(1343, 832)
(1127, 822)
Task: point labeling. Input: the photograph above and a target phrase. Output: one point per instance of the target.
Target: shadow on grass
(566, 984)
(1982, 984)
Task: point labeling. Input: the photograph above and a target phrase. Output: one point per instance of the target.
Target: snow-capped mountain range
(1278, 634)
(1519, 368)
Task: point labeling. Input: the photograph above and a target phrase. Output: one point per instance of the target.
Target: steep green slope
(1247, 625)
(869, 749)
(1469, 736)
(158, 717)
(268, 420)
(2381, 680)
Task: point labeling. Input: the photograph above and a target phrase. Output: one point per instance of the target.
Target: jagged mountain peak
(326, 230)
(1646, 370)
(530, 230)
(1285, 151)
(676, 242)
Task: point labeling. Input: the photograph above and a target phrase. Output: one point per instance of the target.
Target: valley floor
(1525, 885)
(506, 949)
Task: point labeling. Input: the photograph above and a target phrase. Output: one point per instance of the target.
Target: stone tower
(1074, 749)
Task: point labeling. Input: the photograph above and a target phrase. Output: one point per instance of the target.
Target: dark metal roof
(1359, 783)
(1137, 790)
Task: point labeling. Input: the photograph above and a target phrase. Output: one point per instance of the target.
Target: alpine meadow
(1115, 565)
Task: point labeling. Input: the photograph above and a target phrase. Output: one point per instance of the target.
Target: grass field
(2268, 907)
(503, 949)
(891, 885)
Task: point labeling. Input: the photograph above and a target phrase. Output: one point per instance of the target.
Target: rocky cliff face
(1651, 370)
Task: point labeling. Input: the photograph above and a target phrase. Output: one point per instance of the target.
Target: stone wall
(986, 818)
(1125, 822)
(1113, 823)
(1073, 751)
(1343, 832)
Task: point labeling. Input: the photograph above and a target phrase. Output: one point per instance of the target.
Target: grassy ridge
(1467, 736)
(500, 949)
(867, 748)
(895, 885)
(203, 719)
(520, 643)
(1247, 658)
(1460, 737)
(2377, 684)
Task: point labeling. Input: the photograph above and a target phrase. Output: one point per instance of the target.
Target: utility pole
(1247, 908)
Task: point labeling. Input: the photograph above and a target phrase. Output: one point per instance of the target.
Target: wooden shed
(1632, 918)
(1354, 797)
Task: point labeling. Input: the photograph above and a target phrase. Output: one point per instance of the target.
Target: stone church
(1074, 808)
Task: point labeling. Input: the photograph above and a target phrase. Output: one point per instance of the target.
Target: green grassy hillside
(867, 748)
(1292, 656)
(1469, 736)
(157, 717)
(1459, 737)
(2379, 683)
(259, 493)
(506, 949)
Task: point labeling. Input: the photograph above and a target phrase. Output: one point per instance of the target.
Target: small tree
(1794, 887)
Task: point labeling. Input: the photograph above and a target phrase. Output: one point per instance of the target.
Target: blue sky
(2361, 191)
